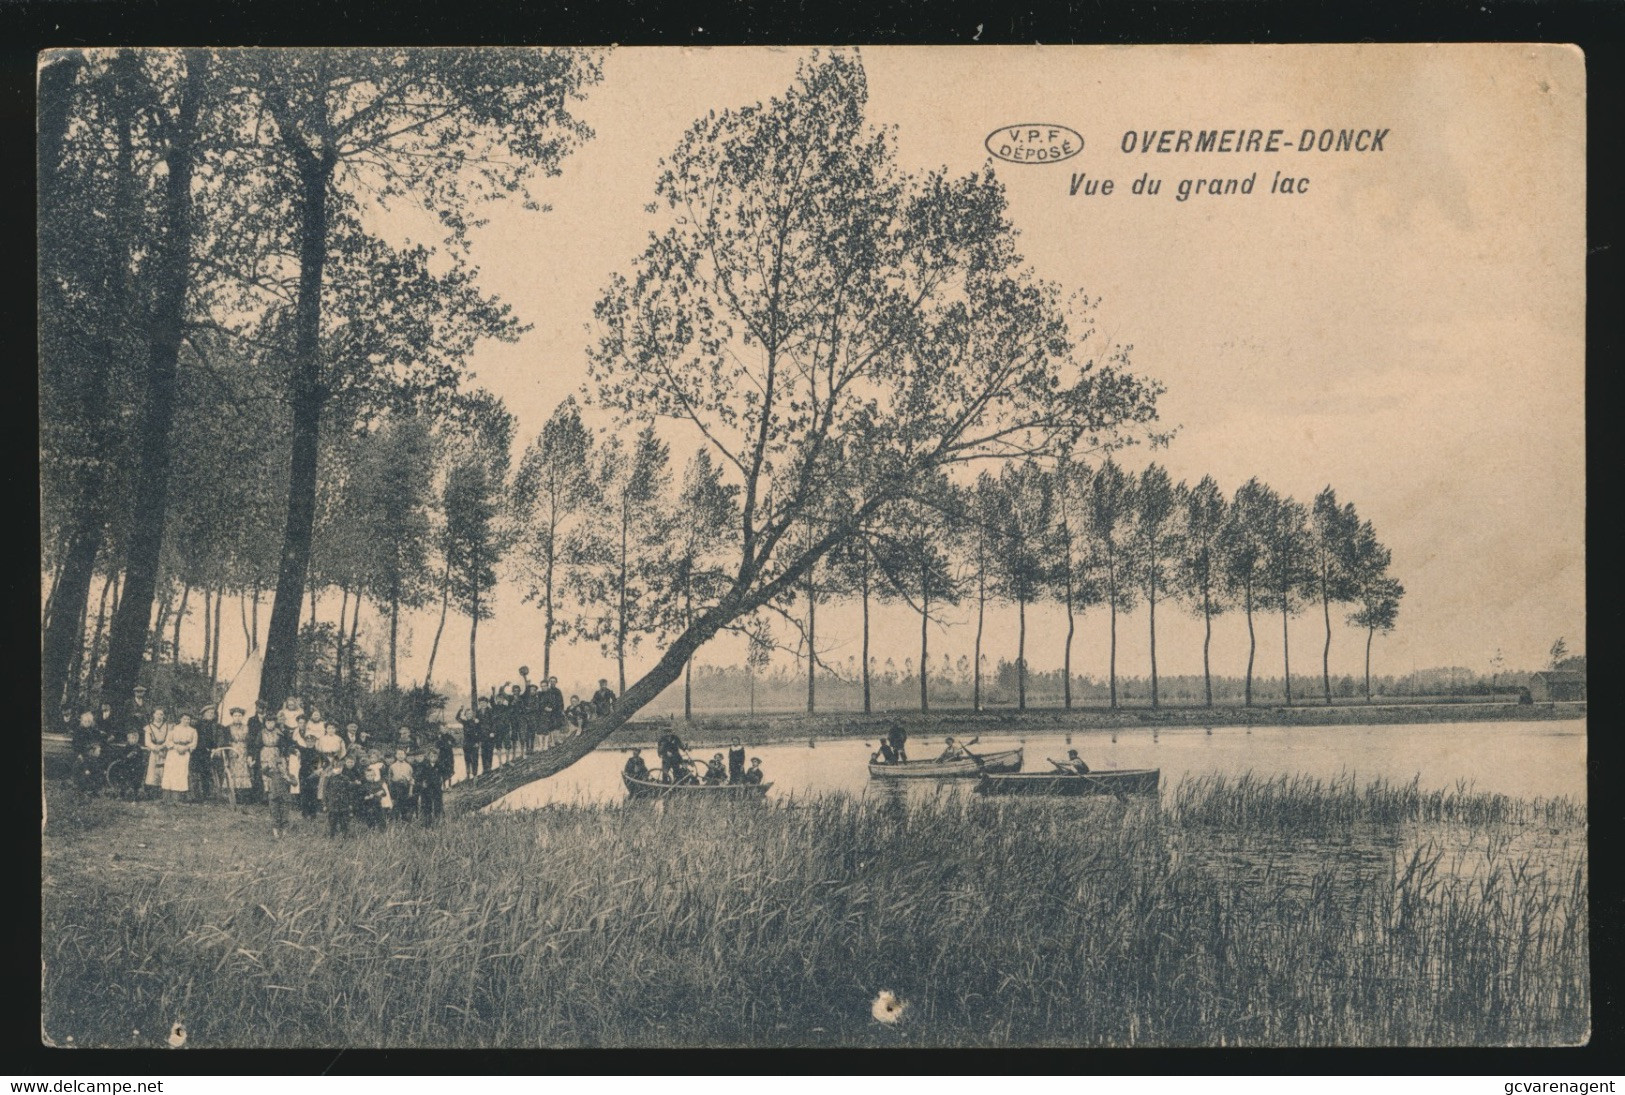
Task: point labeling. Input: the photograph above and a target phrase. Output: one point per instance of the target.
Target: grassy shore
(766, 729)
(1250, 912)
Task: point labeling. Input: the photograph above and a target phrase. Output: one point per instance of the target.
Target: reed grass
(1079, 923)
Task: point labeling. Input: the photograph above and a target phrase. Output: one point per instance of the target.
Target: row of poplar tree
(613, 550)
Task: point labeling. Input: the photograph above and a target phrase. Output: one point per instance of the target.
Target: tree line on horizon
(612, 549)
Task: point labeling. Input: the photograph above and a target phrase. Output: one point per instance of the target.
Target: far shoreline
(769, 729)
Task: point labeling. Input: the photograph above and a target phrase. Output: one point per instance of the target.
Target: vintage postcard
(913, 546)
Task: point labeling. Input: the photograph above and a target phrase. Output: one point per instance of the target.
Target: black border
(27, 26)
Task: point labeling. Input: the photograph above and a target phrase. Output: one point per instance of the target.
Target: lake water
(1524, 759)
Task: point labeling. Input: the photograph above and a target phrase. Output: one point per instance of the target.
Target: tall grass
(1002, 923)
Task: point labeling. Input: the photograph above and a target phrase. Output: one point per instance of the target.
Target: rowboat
(653, 788)
(958, 768)
(1119, 781)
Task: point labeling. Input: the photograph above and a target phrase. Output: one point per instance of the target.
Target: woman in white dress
(155, 740)
(178, 766)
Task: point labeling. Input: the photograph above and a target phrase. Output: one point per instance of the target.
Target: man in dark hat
(140, 713)
(635, 766)
(670, 748)
(202, 758)
(551, 702)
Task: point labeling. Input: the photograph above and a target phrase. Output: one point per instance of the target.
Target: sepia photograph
(862, 547)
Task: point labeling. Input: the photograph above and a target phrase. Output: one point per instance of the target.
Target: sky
(1409, 329)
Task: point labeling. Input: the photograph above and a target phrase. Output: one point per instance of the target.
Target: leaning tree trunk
(488, 787)
(307, 397)
(149, 495)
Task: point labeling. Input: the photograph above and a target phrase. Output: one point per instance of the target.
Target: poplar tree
(1242, 554)
(1200, 574)
(1078, 586)
(1156, 545)
(1110, 514)
(1288, 575)
(1333, 530)
(554, 495)
(1024, 563)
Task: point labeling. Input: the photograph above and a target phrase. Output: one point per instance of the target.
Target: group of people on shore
(678, 766)
(200, 756)
(296, 760)
(519, 718)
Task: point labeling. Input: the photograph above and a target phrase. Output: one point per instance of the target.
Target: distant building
(1557, 685)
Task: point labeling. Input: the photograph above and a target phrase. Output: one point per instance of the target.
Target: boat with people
(690, 788)
(1115, 781)
(962, 767)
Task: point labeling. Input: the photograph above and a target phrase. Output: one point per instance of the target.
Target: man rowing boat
(955, 750)
(1072, 765)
